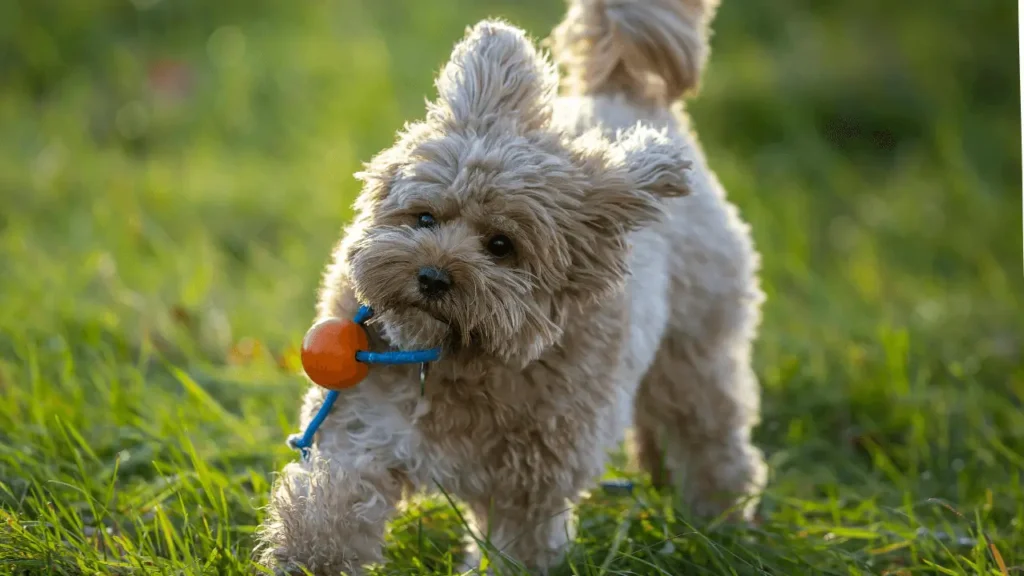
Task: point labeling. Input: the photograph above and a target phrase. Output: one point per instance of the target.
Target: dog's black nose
(433, 281)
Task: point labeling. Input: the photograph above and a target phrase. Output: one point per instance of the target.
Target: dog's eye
(425, 220)
(499, 246)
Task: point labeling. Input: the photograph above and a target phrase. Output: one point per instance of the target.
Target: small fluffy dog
(584, 273)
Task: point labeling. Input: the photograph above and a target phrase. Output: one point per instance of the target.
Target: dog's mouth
(413, 327)
(417, 327)
(432, 313)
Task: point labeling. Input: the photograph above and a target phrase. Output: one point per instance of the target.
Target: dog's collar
(304, 441)
(392, 356)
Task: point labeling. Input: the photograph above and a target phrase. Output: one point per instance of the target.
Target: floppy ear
(630, 176)
(629, 179)
(496, 71)
(654, 163)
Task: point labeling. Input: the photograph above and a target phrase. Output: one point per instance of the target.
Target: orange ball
(329, 353)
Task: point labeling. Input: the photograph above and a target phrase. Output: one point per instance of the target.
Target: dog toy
(334, 356)
(329, 353)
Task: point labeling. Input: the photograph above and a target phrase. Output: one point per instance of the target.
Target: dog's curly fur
(630, 297)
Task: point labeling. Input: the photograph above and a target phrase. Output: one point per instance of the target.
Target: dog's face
(482, 227)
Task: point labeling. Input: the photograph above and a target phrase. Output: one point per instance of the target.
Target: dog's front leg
(328, 516)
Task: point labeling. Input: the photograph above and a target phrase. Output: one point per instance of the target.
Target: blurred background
(201, 153)
(173, 174)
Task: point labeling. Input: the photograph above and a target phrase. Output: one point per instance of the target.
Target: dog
(566, 245)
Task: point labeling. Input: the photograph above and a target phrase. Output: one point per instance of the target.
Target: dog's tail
(645, 49)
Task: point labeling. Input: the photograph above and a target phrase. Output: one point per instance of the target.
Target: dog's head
(483, 226)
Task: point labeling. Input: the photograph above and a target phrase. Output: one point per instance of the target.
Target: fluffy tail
(651, 50)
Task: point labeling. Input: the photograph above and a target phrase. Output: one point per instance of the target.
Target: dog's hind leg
(694, 413)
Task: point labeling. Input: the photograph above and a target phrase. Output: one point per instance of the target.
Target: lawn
(173, 175)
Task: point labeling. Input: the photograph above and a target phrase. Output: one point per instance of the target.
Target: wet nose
(433, 281)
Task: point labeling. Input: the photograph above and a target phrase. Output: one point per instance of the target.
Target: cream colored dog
(581, 268)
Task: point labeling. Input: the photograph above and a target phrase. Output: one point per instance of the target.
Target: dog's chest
(516, 430)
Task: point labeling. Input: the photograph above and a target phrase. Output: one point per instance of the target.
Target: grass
(161, 241)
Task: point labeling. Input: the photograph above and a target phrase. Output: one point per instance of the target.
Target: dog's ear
(496, 72)
(629, 178)
(630, 175)
(654, 163)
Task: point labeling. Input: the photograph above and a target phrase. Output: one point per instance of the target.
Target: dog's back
(694, 294)
(630, 61)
